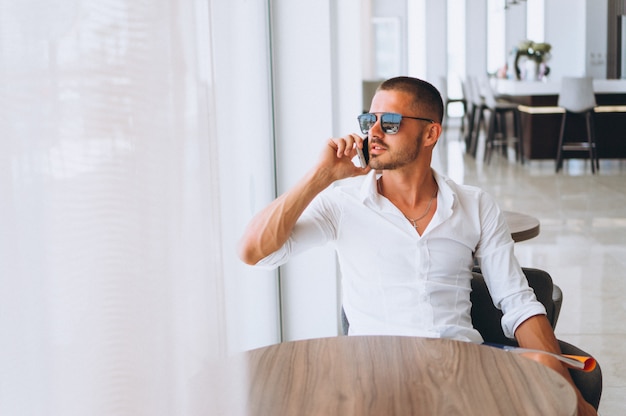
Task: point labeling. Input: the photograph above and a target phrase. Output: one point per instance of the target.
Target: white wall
(416, 33)
(476, 30)
(595, 58)
(436, 41)
(566, 32)
(515, 26)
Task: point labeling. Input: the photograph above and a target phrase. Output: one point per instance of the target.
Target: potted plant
(534, 54)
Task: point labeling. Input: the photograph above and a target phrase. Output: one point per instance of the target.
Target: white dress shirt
(396, 282)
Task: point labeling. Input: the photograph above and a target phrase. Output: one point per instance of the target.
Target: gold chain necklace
(414, 221)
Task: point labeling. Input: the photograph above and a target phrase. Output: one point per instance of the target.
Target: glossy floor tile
(582, 244)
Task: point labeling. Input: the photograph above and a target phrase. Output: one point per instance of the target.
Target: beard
(394, 159)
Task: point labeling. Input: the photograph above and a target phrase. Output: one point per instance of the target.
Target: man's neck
(407, 190)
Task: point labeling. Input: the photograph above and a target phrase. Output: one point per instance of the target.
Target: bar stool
(469, 113)
(447, 100)
(476, 114)
(578, 99)
(498, 131)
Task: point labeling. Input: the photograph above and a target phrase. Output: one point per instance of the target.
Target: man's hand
(336, 158)
(584, 408)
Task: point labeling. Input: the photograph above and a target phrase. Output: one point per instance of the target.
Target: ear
(433, 131)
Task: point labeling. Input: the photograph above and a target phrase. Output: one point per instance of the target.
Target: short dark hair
(425, 96)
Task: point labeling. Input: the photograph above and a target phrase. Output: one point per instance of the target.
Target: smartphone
(364, 154)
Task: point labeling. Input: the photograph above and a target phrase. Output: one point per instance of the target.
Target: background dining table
(394, 375)
(522, 226)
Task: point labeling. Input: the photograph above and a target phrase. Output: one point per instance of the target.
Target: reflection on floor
(582, 244)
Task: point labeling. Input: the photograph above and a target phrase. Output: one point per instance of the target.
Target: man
(406, 237)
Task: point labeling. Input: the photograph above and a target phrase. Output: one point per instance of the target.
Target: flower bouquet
(538, 53)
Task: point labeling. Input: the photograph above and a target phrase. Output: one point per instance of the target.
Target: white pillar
(316, 96)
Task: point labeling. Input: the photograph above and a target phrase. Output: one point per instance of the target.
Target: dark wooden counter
(541, 124)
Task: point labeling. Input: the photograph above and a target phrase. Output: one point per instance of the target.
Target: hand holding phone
(363, 154)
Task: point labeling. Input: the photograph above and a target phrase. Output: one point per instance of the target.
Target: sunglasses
(389, 122)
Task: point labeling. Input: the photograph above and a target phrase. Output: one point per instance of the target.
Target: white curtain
(111, 289)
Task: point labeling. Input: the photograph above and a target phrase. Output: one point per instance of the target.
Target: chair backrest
(465, 87)
(487, 92)
(473, 88)
(576, 94)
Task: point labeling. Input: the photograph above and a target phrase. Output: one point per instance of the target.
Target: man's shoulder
(355, 186)
(460, 189)
(352, 182)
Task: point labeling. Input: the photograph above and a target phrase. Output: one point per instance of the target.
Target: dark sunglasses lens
(390, 122)
(366, 121)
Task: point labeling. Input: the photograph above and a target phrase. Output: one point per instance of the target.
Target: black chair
(486, 318)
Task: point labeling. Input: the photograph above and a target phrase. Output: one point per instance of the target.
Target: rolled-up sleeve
(507, 284)
(316, 226)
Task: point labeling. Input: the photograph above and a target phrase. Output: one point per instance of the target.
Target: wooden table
(384, 375)
(523, 227)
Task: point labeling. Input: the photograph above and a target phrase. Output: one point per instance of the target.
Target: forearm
(536, 333)
(272, 226)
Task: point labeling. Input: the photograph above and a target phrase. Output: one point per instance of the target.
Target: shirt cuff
(512, 319)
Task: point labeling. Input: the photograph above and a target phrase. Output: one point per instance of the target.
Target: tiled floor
(582, 244)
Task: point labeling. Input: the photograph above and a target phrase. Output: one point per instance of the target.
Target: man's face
(393, 151)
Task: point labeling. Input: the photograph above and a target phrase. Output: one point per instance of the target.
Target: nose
(376, 129)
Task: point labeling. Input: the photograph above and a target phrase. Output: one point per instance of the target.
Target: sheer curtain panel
(111, 289)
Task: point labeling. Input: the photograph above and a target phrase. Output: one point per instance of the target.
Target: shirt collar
(447, 197)
(369, 188)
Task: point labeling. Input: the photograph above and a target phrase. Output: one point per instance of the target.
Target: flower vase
(532, 70)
